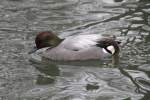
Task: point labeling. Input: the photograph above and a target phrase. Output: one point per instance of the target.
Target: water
(22, 79)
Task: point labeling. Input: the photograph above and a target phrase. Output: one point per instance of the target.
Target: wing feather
(81, 41)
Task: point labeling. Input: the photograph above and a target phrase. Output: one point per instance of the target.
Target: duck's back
(81, 41)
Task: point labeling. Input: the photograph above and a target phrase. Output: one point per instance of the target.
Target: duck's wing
(81, 42)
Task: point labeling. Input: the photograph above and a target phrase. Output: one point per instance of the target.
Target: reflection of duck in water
(73, 48)
(48, 72)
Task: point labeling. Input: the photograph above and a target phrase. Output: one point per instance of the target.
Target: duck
(76, 47)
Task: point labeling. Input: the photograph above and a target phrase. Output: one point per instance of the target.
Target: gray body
(81, 47)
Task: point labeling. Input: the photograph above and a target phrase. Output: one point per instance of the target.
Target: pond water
(23, 79)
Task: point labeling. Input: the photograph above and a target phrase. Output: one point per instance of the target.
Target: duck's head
(46, 39)
(109, 45)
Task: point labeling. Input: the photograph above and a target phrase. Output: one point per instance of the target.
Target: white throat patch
(111, 49)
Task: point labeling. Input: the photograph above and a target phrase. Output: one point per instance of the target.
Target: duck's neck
(55, 42)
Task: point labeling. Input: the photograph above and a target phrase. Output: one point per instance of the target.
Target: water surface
(23, 79)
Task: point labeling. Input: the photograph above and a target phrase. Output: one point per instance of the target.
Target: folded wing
(80, 42)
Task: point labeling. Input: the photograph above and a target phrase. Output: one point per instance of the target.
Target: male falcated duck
(78, 47)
